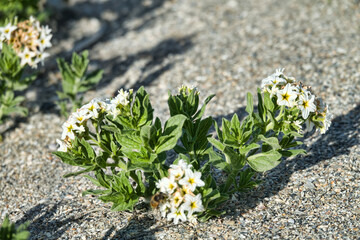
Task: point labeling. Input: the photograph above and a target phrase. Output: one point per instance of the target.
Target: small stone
(291, 221)
(309, 185)
(52, 147)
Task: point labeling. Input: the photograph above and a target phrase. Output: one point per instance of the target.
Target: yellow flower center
(305, 104)
(70, 128)
(193, 205)
(183, 191)
(171, 186)
(285, 96)
(191, 181)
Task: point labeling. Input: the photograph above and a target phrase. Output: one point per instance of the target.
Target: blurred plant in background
(22, 9)
(8, 231)
(22, 44)
(75, 81)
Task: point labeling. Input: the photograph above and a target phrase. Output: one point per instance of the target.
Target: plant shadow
(137, 228)
(43, 221)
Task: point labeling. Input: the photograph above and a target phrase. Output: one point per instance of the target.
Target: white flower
(279, 72)
(266, 82)
(32, 19)
(7, 30)
(186, 190)
(44, 41)
(287, 96)
(298, 123)
(306, 105)
(167, 185)
(40, 57)
(273, 90)
(63, 146)
(177, 214)
(177, 173)
(80, 116)
(181, 164)
(178, 170)
(93, 108)
(270, 84)
(113, 110)
(193, 204)
(177, 199)
(326, 123)
(164, 208)
(278, 80)
(115, 105)
(192, 180)
(68, 129)
(26, 57)
(193, 220)
(121, 99)
(45, 30)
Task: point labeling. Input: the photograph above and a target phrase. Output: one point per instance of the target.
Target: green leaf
(89, 150)
(94, 77)
(293, 152)
(262, 162)
(66, 157)
(95, 192)
(268, 102)
(247, 148)
(129, 140)
(250, 104)
(201, 112)
(210, 213)
(296, 134)
(148, 135)
(261, 106)
(93, 180)
(216, 143)
(100, 178)
(217, 160)
(172, 132)
(8, 231)
(245, 182)
(88, 169)
(272, 141)
(236, 160)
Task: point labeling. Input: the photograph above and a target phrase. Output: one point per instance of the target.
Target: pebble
(222, 47)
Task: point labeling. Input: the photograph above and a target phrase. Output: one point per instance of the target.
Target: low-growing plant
(22, 9)
(75, 81)
(8, 231)
(126, 149)
(21, 44)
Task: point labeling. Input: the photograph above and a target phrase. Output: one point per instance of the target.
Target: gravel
(222, 47)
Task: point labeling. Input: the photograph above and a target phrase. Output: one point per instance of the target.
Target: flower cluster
(28, 39)
(186, 90)
(292, 94)
(76, 125)
(180, 188)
